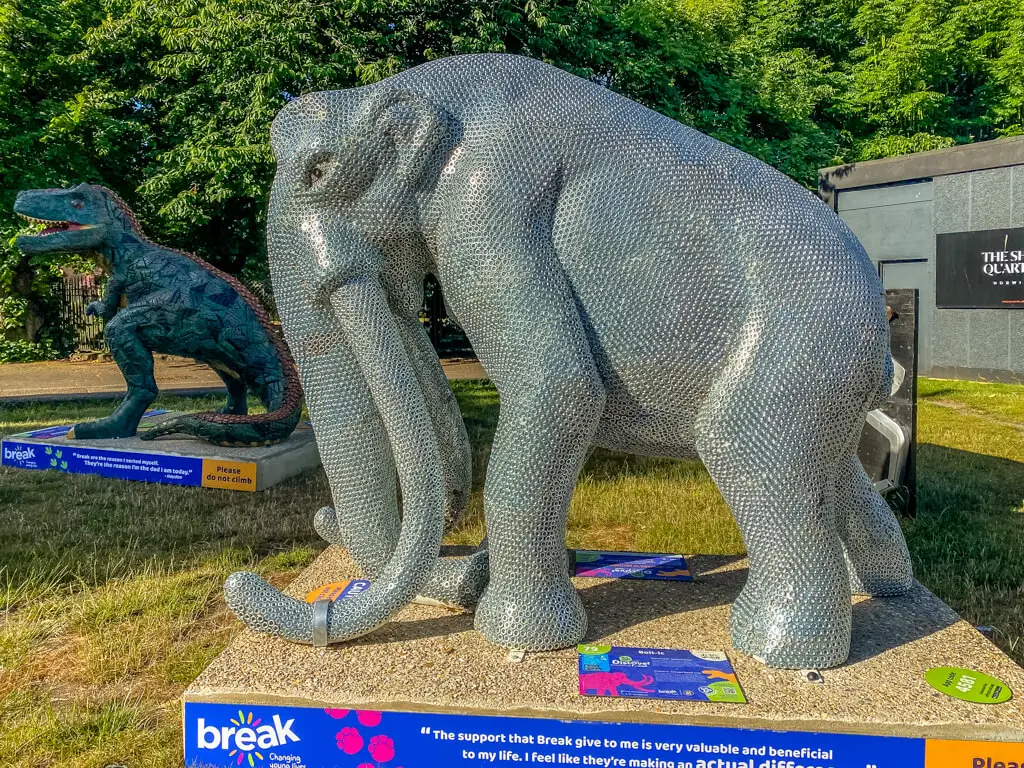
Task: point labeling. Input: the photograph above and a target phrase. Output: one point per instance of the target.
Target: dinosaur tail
(231, 429)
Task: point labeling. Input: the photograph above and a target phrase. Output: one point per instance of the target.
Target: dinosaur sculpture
(176, 304)
(626, 282)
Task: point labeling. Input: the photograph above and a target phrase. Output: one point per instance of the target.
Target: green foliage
(933, 73)
(21, 351)
(35, 85)
(169, 101)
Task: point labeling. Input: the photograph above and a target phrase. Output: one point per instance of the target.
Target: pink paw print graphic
(382, 748)
(349, 741)
(368, 718)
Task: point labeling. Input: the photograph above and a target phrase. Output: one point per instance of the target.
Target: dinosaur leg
(237, 392)
(136, 364)
(876, 553)
(774, 443)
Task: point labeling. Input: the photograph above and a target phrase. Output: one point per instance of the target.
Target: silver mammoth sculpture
(626, 282)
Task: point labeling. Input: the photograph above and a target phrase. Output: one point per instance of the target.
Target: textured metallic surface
(626, 282)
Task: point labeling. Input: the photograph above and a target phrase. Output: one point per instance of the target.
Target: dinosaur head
(76, 220)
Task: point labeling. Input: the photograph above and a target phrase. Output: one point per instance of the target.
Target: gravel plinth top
(430, 659)
(187, 446)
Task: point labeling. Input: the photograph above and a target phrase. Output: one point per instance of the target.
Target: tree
(169, 102)
(35, 83)
(934, 73)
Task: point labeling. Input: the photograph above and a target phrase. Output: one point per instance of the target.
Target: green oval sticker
(968, 685)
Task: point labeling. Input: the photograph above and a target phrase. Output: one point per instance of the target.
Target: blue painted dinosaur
(176, 304)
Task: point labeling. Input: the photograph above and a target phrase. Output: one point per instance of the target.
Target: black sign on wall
(975, 270)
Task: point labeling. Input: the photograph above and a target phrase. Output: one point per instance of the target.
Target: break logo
(246, 736)
(19, 454)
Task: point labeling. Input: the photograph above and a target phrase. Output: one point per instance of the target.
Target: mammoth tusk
(264, 609)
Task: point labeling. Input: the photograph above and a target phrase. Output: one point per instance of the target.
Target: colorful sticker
(601, 564)
(337, 590)
(968, 685)
(657, 673)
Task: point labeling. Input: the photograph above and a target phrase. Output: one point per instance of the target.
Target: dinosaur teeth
(34, 220)
(52, 226)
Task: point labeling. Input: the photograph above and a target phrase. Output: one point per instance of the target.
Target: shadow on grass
(937, 392)
(967, 541)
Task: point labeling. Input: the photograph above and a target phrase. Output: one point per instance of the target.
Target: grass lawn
(110, 590)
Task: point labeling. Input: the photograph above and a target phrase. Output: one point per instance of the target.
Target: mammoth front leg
(498, 268)
(545, 427)
(551, 399)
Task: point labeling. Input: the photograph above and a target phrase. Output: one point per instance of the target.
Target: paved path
(67, 380)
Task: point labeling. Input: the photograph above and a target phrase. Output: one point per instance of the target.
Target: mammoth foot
(545, 618)
(786, 633)
(881, 571)
(877, 560)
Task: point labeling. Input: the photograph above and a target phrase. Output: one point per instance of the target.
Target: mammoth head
(347, 263)
(348, 166)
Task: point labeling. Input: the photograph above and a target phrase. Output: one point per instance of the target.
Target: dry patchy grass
(110, 590)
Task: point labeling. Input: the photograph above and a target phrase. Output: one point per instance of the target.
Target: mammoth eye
(317, 172)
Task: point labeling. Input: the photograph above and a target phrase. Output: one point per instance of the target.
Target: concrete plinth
(170, 460)
(430, 664)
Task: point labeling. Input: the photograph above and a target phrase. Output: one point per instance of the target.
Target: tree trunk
(33, 319)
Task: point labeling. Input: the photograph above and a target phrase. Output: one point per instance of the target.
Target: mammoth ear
(407, 121)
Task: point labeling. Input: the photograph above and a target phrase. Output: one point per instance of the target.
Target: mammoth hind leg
(876, 553)
(775, 444)
(794, 610)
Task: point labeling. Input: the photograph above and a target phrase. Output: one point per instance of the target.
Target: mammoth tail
(231, 429)
(892, 379)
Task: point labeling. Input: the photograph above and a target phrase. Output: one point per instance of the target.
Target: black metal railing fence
(76, 292)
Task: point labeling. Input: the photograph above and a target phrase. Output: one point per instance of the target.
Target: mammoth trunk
(371, 331)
